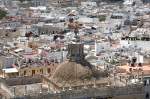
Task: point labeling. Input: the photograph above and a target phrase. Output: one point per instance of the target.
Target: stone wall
(132, 92)
(23, 80)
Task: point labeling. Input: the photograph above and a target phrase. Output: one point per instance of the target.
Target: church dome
(72, 71)
(75, 68)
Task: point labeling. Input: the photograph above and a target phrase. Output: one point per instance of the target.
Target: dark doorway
(33, 72)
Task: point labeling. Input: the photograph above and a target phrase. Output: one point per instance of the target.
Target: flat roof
(18, 50)
(145, 68)
(10, 70)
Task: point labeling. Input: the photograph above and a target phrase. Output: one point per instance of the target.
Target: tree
(112, 0)
(21, 0)
(102, 18)
(24, 0)
(2, 14)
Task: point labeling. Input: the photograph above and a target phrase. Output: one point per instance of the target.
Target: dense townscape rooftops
(74, 49)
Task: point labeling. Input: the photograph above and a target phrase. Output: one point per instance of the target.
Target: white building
(101, 46)
(5, 2)
(88, 3)
(145, 45)
(128, 2)
(39, 3)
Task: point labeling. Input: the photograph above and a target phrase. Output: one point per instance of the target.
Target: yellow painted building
(38, 70)
(31, 71)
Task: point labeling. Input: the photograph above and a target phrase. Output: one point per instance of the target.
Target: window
(41, 71)
(25, 73)
(33, 72)
(48, 70)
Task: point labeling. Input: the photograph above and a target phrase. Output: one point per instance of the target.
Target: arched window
(48, 70)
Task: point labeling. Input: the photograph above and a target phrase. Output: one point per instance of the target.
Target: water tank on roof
(132, 65)
(130, 69)
(140, 64)
(134, 59)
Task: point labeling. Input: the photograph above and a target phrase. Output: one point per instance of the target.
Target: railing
(86, 93)
(72, 94)
(23, 80)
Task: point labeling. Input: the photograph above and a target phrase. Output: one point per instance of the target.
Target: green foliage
(102, 18)
(21, 0)
(2, 14)
(112, 0)
(112, 61)
(24, 0)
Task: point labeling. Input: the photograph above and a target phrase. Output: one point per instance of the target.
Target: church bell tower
(76, 52)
